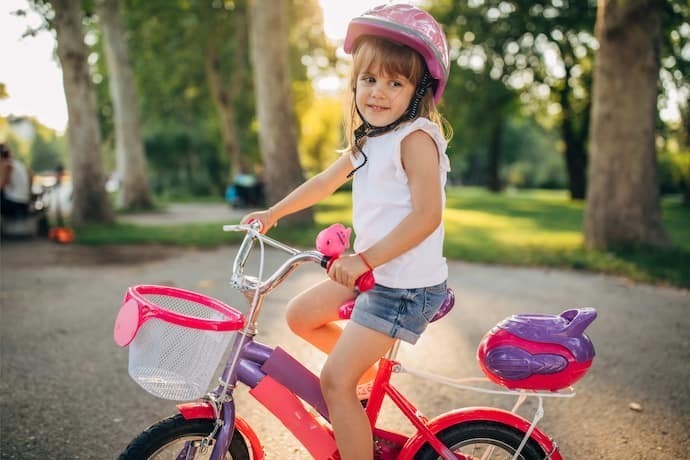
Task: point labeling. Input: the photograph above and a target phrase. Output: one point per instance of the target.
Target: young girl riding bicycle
(396, 157)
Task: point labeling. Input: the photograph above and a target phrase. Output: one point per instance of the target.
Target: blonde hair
(376, 54)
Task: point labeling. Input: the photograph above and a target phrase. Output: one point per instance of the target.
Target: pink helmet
(410, 26)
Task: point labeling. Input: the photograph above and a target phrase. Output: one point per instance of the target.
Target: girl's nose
(377, 90)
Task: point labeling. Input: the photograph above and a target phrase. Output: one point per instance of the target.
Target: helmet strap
(424, 84)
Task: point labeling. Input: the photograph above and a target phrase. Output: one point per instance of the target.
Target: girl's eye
(396, 83)
(368, 79)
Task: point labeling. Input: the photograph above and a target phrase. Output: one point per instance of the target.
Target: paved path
(65, 392)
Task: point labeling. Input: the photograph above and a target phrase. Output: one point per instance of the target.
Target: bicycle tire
(464, 437)
(172, 433)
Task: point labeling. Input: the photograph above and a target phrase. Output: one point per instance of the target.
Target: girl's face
(382, 98)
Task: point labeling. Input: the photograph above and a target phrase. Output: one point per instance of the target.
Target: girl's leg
(356, 351)
(313, 313)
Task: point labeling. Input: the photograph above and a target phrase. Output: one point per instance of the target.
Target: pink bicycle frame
(279, 382)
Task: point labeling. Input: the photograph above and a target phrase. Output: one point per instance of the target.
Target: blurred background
(147, 101)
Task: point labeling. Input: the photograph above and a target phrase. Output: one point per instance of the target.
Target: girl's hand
(265, 217)
(346, 269)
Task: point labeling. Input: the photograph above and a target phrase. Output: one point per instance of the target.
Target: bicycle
(525, 354)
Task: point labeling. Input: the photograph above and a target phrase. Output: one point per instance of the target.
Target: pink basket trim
(137, 309)
(126, 324)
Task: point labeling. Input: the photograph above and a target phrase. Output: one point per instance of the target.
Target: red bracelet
(365, 261)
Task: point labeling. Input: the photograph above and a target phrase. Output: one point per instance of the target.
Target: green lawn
(544, 228)
(535, 228)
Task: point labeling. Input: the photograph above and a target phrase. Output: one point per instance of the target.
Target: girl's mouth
(377, 108)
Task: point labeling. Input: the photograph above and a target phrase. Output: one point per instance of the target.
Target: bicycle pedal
(384, 448)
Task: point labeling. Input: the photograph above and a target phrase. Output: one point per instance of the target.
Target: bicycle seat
(345, 310)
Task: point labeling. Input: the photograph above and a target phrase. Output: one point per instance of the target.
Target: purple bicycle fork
(276, 380)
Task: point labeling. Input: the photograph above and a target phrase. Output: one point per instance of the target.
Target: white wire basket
(176, 339)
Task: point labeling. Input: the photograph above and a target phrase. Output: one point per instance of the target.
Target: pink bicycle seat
(345, 310)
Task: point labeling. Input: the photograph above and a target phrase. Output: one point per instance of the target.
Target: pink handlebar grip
(365, 282)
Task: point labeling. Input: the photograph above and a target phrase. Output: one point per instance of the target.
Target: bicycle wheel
(479, 440)
(174, 436)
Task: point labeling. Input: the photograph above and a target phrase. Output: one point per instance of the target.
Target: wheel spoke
(488, 454)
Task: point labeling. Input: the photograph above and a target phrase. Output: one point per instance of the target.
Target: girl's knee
(329, 385)
(296, 318)
(334, 384)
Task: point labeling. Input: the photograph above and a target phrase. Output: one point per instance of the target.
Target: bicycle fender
(202, 409)
(478, 414)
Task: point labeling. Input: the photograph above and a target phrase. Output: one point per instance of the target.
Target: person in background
(15, 182)
(59, 194)
(397, 158)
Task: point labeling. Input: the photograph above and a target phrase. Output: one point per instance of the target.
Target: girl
(398, 163)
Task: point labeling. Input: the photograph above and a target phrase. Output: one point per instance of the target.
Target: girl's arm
(420, 158)
(307, 194)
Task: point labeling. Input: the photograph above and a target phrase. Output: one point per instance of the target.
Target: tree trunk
(574, 145)
(495, 149)
(91, 202)
(622, 197)
(223, 100)
(685, 141)
(131, 161)
(277, 130)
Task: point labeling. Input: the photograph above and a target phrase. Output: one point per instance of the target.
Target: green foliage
(42, 153)
(525, 228)
(675, 62)
(537, 55)
(674, 167)
(184, 164)
(520, 78)
(46, 154)
(170, 42)
(321, 125)
(517, 60)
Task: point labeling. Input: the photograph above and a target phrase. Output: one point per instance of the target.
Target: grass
(525, 228)
(543, 228)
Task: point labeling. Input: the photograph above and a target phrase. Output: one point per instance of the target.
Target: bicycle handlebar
(253, 233)
(247, 283)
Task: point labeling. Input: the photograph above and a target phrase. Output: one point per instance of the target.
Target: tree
(622, 196)
(91, 202)
(225, 96)
(129, 148)
(674, 135)
(537, 49)
(277, 131)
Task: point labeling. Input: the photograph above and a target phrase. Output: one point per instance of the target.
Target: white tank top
(381, 199)
(18, 188)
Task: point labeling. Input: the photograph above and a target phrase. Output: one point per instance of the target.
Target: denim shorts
(399, 313)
